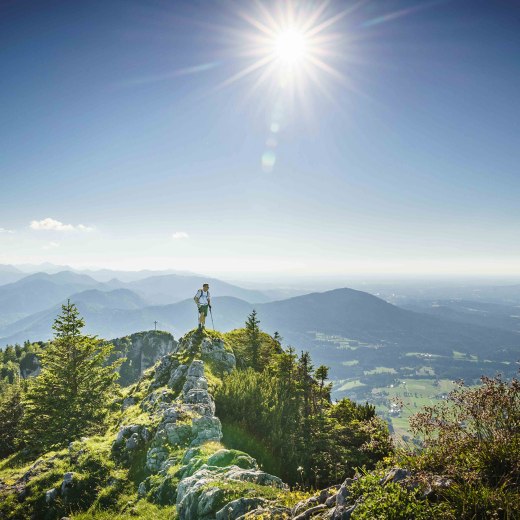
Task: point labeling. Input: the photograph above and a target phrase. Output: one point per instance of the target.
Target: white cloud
(87, 229)
(50, 224)
(178, 235)
(51, 245)
(3, 230)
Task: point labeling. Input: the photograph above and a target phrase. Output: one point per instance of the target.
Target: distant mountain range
(347, 313)
(494, 315)
(40, 291)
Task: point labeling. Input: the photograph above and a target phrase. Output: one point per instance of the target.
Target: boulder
(155, 457)
(267, 513)
(178, 434)
(127, 402)
(236, 508)
(206, 429)
(51, 495)
(190, 491)
(177, 377)
(201, 492)
(225, 457)
(343, 512)
(303, 505)
(310, 512)
(215, 352)
(68, 483)
(395, 475)
(196, 369)
(343, 492)
(132, 442)
(256, 476)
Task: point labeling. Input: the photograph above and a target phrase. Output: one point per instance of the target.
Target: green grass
(380, 370)
(131, 508)
(462, 356)
(427, 395)
(354, 383)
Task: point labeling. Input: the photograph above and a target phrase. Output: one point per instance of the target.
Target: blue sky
(120, 147)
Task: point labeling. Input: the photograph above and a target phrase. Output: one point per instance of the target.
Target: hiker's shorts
(203, 309)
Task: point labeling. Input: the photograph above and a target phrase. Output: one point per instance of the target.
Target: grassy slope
(105, 489)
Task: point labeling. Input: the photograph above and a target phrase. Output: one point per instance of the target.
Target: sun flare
(290, 46)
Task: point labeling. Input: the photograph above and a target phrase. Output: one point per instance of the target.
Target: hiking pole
(211, 314)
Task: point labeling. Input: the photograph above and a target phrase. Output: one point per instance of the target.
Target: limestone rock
(154, 458)
(236, 508)
(215, 352)
(303, 505)
(177, 377)
(343, 492)
(199, 493)
(310, 512)
(268, 513)
(343, 512)
(142, 350)
(127, 402)
(51, 495)
(68, 482)
(206, 429)
(395, 475)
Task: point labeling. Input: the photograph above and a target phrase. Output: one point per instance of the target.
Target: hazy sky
(132, 137)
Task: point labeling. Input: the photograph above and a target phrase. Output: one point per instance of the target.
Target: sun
(290, 47)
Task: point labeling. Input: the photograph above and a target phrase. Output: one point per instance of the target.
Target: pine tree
(71, 395)
(253, 337)
(322, 373)
(11, 411)
(9, 354)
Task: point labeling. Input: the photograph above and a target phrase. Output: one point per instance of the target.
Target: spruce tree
(11, 411)
(253, 337)
(71, 395)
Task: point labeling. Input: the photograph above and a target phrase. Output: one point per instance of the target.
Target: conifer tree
(71, 395)
(10, 416)
(253, 336)
(322, 373)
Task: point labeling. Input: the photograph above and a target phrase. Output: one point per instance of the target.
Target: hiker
(203, 301)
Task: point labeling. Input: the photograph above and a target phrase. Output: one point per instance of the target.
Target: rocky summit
(180, 448)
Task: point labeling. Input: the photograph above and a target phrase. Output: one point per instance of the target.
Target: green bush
(392, 501)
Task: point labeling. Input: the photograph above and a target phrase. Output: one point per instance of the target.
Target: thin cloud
(3, 230)
(87, 229)
(178, 235)
(50, 224)
(51, 245)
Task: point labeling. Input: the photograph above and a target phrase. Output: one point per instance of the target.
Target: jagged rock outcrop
(142, 350)
(188, 420)
(212, 350)
(186, 463)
